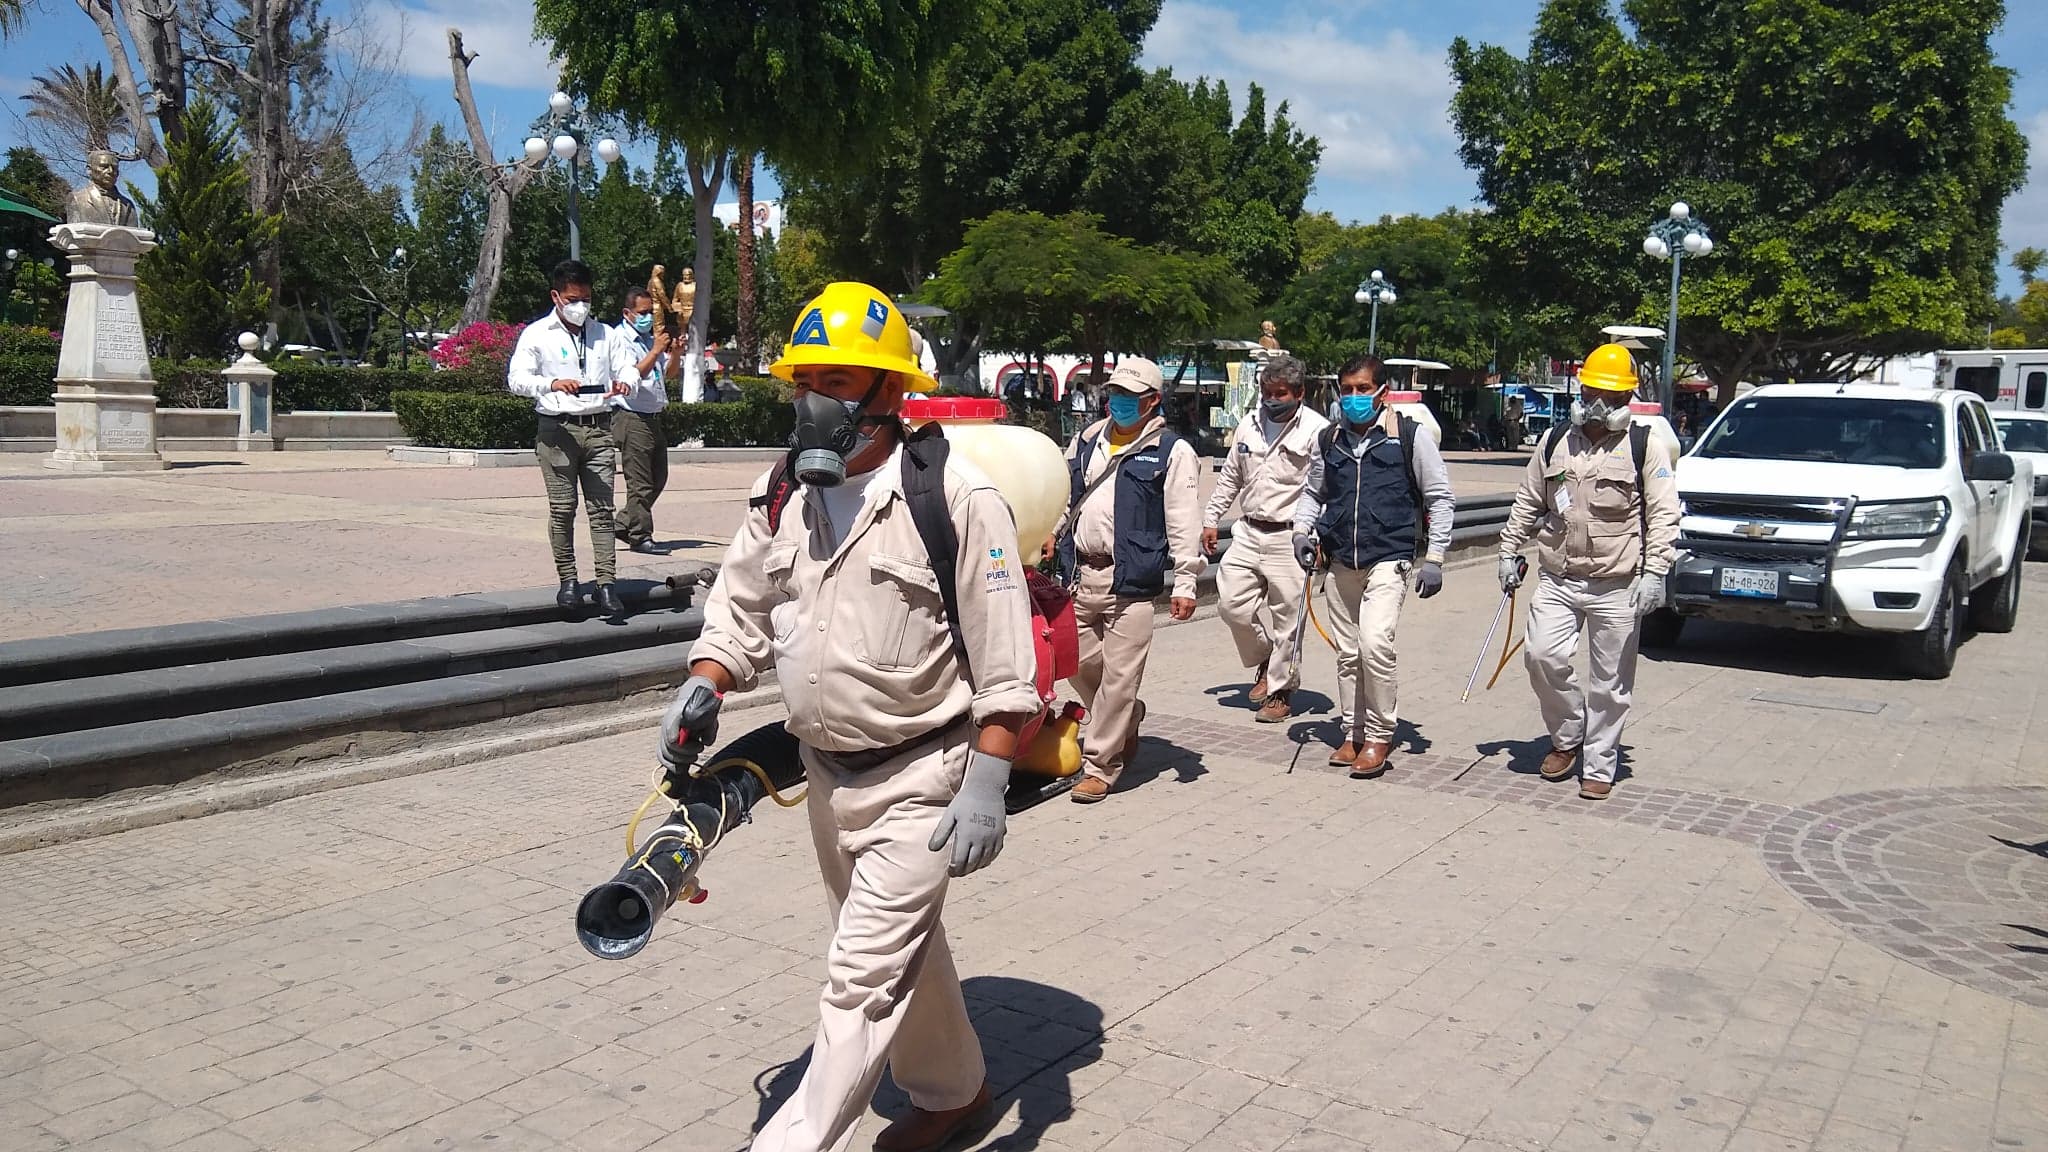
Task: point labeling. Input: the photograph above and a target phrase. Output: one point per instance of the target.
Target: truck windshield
(1830, 430)
(2024, 435)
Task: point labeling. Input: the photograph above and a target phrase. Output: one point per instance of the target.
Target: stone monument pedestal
(106, 396)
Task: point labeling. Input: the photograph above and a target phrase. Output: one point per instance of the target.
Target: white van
(2007, 378)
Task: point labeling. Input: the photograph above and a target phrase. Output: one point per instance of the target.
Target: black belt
(1266, 525)
(871, 758)
(589, 419)
(1095, 559)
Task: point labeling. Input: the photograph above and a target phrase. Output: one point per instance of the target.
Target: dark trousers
(643, 455)
(576, 455)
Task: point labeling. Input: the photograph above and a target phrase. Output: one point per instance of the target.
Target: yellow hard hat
(1609, 368)
(852, 325)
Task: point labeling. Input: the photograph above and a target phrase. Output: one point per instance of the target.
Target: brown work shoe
(1594, 789)
(1372, 760)
(922, 1131)
(1558, 764)
(1259, 691)
(1277, 708)
(1343, 756)
(1090, 790)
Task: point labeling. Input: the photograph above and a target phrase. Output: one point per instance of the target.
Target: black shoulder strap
(924, 490)
(1408, 428)
(781, 486)
(1551, 440)
(1326, 439)
(1639, 447)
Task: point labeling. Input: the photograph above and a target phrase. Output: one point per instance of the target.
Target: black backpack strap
(924, 490)
(1407, 429)
(1551, 439)
(782, 485)
(1639, 447)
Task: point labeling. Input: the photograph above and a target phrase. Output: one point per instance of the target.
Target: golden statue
(1267, 336)
(672, 311)
(99, 199)
(685, 298)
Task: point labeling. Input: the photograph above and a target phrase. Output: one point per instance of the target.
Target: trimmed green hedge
(459, 420)
(27, 379)
(761, 417)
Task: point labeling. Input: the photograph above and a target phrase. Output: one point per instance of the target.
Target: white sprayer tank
(1410, 404)
(1025, 465)
(1650, 414)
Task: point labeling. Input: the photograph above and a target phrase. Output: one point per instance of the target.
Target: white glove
(1510, 573)
(974, 821)
(1646, 593)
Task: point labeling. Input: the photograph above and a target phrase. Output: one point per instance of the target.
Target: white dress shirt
(645, 394)
(549, 351)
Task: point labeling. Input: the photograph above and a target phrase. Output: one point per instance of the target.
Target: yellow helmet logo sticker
(811, 329)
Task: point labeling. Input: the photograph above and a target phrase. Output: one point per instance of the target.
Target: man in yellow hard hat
(837, 580)
(1602, 504)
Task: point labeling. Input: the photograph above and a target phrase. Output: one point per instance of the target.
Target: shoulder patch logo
(811, 329)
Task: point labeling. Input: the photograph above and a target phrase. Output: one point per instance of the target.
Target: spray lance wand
(617, 918)
(1506, 609)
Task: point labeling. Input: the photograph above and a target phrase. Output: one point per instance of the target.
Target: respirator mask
(828, 434)
(1601, 413)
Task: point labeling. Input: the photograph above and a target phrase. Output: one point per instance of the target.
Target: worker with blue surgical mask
(1133, 531)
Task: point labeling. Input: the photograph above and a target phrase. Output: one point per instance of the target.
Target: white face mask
(576, 312)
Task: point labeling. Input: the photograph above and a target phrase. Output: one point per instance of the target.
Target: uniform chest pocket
(901, 616)
(780, 569)
(1142, 479)
(1612, 493)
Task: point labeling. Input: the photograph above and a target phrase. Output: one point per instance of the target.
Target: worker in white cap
(1132, 531)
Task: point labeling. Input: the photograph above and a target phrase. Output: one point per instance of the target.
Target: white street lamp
(559, 103)
(1673, 239)
(608, 150)
(536, 149)
(565, 146)
(1375, 290)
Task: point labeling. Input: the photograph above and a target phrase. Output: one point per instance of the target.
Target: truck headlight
(1898, 519)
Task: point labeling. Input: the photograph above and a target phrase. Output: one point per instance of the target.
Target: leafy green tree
(199, 286)
(448, 202)
(810, 85)
(1039, 283)
(1439, 315)
(2027, 262)
(1853, 158)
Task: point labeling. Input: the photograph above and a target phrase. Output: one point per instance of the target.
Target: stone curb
(524, 457)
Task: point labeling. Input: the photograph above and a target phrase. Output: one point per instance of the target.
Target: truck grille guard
(1772, 508)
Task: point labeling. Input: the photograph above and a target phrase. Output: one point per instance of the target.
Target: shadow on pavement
(1033, 1036)
(1155, 758)
(1307, 701)
(1753, 648)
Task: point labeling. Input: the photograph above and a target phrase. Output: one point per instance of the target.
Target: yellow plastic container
(1025, 465)
(1056, 749)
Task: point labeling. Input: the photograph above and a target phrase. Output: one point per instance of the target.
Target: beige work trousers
(1562, 607)
(892, 997)
(1365, 607)
(1260, 589)
(1116, 640)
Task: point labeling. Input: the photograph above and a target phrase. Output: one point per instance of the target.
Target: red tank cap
(943, 408)
(1645, 408)
(1404, 397)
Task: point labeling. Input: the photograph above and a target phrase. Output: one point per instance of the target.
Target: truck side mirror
(1992, 467)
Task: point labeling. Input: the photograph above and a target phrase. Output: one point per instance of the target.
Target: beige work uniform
(1587, 509)
(1260, 587)
(1116, 631)
(857, 634)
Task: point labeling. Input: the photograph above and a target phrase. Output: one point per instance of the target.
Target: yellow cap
(852, 325)
(1609, 368)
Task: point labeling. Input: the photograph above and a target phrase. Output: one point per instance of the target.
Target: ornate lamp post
(568, 146)
(401, 263)
(1377, 290)
(1678, 235)
(13, 257)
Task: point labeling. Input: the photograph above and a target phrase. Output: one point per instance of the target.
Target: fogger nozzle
(616, 918)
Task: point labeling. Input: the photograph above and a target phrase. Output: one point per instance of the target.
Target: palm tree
(2027, 262)
(85, 105)
(13, 17)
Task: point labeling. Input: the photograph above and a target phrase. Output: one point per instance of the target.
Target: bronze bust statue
(99, 201)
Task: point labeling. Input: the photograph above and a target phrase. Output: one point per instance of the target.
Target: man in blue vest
(1377, 490)
(1133, 529)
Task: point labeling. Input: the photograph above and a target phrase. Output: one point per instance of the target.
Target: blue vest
(1368, 502)
(1141, 558)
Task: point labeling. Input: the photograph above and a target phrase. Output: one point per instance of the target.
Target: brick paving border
(1953, 881)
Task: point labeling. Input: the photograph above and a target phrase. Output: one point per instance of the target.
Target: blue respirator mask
(1358, 409)
(1125, 409)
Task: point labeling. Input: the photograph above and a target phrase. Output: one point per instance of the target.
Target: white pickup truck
(1862, 506)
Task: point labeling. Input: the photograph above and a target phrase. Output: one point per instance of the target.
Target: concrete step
(54, 706)
(70, 766)
(106, 653)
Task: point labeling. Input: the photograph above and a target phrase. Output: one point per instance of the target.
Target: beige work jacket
(1582, 508)
(1265, 478)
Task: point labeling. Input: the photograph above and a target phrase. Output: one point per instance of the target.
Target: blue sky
(1369, 77)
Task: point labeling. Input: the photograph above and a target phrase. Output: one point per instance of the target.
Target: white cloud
(498, 32)
(1380, 106)
(2026, 213)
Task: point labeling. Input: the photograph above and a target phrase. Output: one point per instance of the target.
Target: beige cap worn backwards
(1136, 374)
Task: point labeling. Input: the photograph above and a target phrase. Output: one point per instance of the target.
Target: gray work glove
(690, 724)
(1646, 593)
(1510, 573)
(1429, 579)
(1305, 551)
(974, 821)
